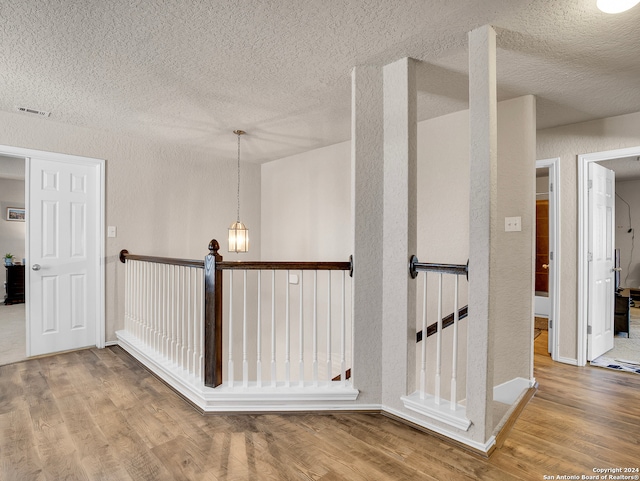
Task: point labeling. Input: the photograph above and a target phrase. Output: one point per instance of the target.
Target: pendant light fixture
(238, 233)
(616, 6)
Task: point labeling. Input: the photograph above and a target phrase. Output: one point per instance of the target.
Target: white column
(482, 227)
(399, 290)
(367, 138)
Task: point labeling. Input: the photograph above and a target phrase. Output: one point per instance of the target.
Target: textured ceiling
(189, 72)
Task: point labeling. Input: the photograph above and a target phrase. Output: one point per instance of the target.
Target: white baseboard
(482, 447)
(238, 398)
(568, 360)
(509, 392)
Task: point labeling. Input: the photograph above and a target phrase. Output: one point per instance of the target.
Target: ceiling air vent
(26, 110)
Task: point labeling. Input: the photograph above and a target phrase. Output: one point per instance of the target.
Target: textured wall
(305, 206)
(629, 247)
(566, 143)
(513, 281)
(11, 233)
(164, 199)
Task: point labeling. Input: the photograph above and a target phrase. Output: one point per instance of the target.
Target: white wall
(567, 142)
(12, 233)
(306, 212)
(630, 192)
(165, 200)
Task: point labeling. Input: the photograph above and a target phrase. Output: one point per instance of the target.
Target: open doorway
(546, 254)
(63, 245)
(13, 250)
(623, 297)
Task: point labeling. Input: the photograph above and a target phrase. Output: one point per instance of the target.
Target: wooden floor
(96, 414)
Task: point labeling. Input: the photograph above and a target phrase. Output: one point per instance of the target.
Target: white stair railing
(304, 324)
(242, 342)
(164, 309)
(440, 344)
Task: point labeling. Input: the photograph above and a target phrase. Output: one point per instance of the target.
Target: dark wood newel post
(212, 317)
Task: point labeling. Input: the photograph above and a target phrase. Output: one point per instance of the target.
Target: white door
(601, 261)
(63, 255)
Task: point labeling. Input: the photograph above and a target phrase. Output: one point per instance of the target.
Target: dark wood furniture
(14, 285)
(621, 316)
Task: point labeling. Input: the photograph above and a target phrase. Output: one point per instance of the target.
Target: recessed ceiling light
(616, 6)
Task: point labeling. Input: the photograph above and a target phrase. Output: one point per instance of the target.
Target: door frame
(583, 225)
(553, 165)
(99, 164)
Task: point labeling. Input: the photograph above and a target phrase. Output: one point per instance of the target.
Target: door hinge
(590, 184)
(550, 324)
(588, 329)
(551, 256)
(550, 187)
(589, 257)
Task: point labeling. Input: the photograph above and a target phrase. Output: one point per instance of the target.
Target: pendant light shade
(616, 6)
(238, 232)
(238, 237)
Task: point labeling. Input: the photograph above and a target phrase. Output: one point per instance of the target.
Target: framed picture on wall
(15, 214)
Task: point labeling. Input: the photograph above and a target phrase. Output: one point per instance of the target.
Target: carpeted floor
(625, 355)
(13, 339)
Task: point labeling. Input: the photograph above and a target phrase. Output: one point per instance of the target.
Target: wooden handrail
(124, 256)
(446, 322)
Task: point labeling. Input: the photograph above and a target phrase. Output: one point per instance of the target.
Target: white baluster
(136, 300)
(259, 334)
(184, 316)
(165, 311)
(230, 365)
(423, 363)
(172, 313)
(189, 324)
(329, 366)
(439, 341)
(274, 373)
(301, 333)
(343, 323)
(199, 334)
(454, 363)
(245, 362)
(315, 328)
(287, 347)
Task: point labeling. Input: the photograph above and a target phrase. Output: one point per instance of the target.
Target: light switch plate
(111, 231)
(513, 224)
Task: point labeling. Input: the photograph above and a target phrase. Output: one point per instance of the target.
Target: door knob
(545, 266)
(35, 267)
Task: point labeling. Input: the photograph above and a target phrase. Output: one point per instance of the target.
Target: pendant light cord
(238, 195)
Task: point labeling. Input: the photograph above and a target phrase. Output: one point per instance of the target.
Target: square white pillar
(400, 204)
(367, 209)
(482, 228)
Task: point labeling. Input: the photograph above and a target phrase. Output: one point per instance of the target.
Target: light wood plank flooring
(98, 415)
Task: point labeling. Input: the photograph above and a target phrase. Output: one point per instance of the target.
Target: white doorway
(64, 271)
(587, 350)
(13, 249)
(547, 254)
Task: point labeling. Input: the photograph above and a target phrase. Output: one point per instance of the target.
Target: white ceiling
(192, 71)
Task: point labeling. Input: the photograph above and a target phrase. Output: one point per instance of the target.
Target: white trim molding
(336, 397)
(439, 412)
(27, 154)
(583, 225)
(553, 165)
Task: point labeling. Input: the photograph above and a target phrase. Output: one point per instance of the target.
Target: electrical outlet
(513, 224)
